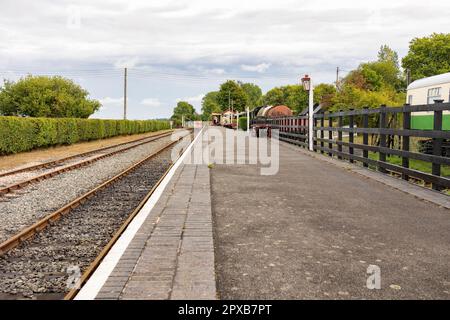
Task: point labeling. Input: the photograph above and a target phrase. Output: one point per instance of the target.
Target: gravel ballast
(25, 175)
(26, 206)
(38, 268)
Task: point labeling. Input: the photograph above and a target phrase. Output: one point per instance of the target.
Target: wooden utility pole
(337, 77)
(408, 77)
(125, 94)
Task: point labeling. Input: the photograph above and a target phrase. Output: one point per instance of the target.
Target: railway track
(14, 180)
(35, 263)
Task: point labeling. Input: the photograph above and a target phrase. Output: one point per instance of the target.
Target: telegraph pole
(408, 77)
(125, 94)
(337, 76)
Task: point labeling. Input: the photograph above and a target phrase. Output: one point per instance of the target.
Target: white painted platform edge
(93, 286)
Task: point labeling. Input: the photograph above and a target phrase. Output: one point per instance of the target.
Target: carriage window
(433, 94)
(410, 99)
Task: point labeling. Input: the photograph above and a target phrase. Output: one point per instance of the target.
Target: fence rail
(390, 127)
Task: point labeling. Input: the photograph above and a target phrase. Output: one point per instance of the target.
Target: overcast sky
(183, 49)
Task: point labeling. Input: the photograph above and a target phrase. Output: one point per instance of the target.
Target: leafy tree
(232, 95)
(274, 97)
(371, 84)
(42, 96)
(293, 96)
(386, 54)
(210, 104)
(185, 109)
(428, 56)
(253, 93)
(324, 94)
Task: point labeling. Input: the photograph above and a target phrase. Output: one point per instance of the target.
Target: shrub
(243, 123)
(24, 134)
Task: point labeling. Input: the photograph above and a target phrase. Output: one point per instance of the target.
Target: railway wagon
(267, 112)
(428, 91)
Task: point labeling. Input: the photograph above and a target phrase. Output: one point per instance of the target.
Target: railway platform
(317, 229)
(167, 252)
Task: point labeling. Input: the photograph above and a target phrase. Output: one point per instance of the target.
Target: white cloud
(215, 71)
(108, 101)
(226, 38)
(151, 102)
(126, 62)
(194, 99)
(262, 67)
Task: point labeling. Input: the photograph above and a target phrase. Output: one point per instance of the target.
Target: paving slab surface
(312, 230)
(172, 254)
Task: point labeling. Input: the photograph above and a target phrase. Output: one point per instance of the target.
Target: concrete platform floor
(312, 230)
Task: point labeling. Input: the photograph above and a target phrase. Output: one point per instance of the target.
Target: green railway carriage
(426, 91)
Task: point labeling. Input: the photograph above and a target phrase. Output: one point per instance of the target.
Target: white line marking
(93, 286)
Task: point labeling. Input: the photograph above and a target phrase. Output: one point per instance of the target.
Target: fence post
(365, 123)
(314, 133)
(382, 138)
(322, 134)
(437, 144)
(405, 141)
(330, 134)
(340, 135)
(351, 135)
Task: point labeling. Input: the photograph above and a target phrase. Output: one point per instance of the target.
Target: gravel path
(28, 205)
(22, 176)
(38, 267)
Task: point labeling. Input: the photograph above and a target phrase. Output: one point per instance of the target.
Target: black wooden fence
(389, 127)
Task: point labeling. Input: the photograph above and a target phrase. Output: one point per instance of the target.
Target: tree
(274, 97)
(42, 96)
(210, 104)
(253, 93)
(231, 95)
(293, 96)
(185, 109)
(386, 54)
(324, 94)
(428, 56)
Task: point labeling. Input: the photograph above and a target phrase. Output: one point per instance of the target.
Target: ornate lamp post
(308, 86)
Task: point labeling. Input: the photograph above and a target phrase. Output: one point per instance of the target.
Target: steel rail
(55, 162)
(28, 232)
(76, 165)
(94, 265)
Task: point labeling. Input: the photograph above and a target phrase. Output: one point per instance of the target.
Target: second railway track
(40, 266)
(13, 180)
(20, 210)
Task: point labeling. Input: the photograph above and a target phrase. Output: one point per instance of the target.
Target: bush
(243, 123)
(24, 134)
(43, 96)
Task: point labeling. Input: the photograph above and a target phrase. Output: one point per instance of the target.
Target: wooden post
(330, 135)
(405, 141)
(351, 135)
(340, 135)
(125, 75)
(382, 138)
(314, 133)
(322, 134)
(366, 136)
(437, 146)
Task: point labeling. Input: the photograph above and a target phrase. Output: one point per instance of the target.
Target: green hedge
(24, 134)
(243, 123)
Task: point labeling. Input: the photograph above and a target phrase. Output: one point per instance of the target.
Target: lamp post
(308, 86)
